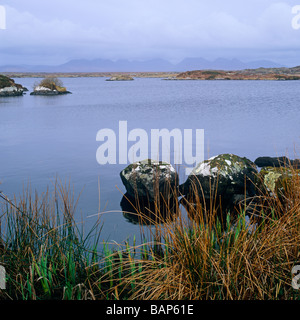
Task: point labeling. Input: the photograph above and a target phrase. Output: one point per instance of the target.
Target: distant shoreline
(246, 74)
(89, 74)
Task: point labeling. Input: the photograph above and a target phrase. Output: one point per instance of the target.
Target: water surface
(45, 137)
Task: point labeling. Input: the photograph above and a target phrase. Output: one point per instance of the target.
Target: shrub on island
(49, 86)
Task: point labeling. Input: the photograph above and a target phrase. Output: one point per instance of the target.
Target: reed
(223, 256)
(43, 249)
(196, 252)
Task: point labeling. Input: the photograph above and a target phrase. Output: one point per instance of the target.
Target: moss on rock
(149, 178)
(276, 179)
(227, 177)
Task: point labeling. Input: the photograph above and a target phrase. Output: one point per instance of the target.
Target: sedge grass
(217, 257)
(43, 249)
(206, 254)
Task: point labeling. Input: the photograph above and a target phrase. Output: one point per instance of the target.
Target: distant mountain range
(154, 65)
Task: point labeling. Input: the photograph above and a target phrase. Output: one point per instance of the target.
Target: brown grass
(204, 258)
(203, 255)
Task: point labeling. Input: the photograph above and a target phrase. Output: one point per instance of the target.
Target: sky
(54, 32)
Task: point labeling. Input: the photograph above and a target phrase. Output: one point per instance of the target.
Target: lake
(42, 138)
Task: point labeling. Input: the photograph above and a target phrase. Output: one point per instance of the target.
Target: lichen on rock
(226, 176)
(149, 179)
(276, 179)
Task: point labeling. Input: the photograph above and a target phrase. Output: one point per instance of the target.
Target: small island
(8, 87)
(49, 86)
(122, 77)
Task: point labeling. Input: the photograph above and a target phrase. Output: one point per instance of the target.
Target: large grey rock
(149, 178)
(225, 175)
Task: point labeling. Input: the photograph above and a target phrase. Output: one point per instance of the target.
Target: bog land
(246, 74)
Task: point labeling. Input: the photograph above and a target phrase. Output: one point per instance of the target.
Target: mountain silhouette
(154, 65)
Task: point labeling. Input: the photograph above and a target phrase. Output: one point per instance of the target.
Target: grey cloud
(117, 29)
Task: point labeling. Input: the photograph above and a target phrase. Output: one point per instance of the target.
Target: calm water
(45, 137)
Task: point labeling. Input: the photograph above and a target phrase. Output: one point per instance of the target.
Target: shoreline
(167, 76)
(88, 74)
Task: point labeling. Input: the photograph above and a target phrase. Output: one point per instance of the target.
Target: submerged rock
(227, 176)
(149, 179)
(8, 87)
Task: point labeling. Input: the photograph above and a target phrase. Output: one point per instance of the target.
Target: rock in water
(278, 185)
(227, 176)
(276, 181)
(277, 162)
(271, 161)
(149, 178)
(8, 87)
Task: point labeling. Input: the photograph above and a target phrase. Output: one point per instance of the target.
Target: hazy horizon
(173, 62)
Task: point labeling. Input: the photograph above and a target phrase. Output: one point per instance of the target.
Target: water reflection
(143, 212)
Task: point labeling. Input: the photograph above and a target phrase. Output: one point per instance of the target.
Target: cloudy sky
(53, 32)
